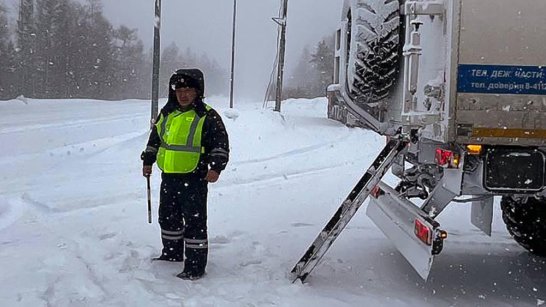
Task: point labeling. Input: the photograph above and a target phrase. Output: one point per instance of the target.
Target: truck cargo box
(470, 71)
(501, 79)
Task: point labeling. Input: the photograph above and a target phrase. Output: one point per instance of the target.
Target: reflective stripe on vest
(180, 134)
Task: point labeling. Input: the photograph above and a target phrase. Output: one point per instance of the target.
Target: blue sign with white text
(501, 79)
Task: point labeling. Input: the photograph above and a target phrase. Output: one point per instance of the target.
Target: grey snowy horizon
(205, 26)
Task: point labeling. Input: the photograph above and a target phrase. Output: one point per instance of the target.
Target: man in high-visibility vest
(190, 144)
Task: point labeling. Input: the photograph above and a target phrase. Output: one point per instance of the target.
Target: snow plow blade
(413, 233)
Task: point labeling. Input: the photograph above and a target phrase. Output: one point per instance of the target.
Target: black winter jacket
(214, 140)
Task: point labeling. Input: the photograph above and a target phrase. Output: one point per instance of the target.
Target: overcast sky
(205, 25)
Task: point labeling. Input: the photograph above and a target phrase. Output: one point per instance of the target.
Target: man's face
(185, 96)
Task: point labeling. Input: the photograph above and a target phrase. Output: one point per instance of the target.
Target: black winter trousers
(183, 221)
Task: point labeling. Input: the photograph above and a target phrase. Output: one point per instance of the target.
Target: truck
(458, 88)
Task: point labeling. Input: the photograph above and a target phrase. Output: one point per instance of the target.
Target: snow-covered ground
(74, 231)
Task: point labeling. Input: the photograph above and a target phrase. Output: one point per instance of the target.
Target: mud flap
(482, 214)
(396, 217)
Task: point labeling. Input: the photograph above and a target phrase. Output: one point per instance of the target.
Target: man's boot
(196, 259)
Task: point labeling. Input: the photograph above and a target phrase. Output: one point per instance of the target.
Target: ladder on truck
(348, 208)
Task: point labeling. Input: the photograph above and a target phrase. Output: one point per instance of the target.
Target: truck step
(348, 209)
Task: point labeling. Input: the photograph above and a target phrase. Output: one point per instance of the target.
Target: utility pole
(281, 21)
(232, 54)
(156, 60)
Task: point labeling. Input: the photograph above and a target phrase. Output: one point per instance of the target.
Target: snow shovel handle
(149, 199)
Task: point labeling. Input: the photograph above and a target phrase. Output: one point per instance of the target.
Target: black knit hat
(184, 81)
(190, 78)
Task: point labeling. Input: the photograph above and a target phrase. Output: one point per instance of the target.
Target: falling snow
(74, 231)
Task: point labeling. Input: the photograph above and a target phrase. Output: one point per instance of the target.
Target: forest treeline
(68, 49)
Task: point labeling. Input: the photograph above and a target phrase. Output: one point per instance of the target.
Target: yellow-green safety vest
(180, 134)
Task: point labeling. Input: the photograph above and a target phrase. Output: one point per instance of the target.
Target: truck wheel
(374, 45)
(526, 222)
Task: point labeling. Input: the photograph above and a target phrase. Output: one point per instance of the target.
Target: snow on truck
(459, 89)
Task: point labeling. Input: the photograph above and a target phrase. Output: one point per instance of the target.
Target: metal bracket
(423, 8)
(420, 119)
(280, 21)
(445, 191)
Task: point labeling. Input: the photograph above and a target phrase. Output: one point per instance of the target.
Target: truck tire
(374, 49)
(526, 222)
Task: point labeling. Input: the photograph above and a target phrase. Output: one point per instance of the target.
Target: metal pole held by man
(149, 199)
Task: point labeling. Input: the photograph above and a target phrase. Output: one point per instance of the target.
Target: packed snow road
(73, 228)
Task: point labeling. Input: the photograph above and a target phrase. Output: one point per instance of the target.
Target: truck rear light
(474, 149)
(442, 234)
(446, 158)
(423, 232)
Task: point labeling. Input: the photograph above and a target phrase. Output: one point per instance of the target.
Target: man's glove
(146, 170)
(148, 157)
